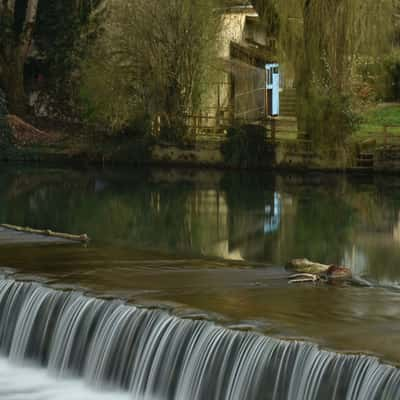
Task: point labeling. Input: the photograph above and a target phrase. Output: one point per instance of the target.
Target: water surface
(212, 245)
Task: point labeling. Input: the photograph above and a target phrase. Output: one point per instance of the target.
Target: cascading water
(150, 355)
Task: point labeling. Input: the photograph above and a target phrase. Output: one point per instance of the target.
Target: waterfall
(152, 355)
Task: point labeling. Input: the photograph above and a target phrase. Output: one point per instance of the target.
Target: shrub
(132, 143)
(379, 79)
(246, 147)
(329, 119)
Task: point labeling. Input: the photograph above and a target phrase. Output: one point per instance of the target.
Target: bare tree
(151, 57)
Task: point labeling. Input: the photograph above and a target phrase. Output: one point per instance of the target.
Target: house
(247, 59)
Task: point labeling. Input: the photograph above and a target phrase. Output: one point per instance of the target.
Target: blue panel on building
(273, 79)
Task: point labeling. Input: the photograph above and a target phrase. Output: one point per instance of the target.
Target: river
(210, 247)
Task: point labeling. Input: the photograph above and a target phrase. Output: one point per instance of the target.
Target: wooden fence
(388, 136)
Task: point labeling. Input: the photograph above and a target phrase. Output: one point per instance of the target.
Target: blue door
(273, 79)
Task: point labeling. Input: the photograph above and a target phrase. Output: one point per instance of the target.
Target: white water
(29, 383)
(154, 356)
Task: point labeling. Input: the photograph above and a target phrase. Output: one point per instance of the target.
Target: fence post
(218, 105)
(385, 134)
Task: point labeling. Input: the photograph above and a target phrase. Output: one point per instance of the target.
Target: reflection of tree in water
(123, 210)
(323, 226)
(376, 237)
(247, 196)
(29, 197)
(332, 216)
(163, 220)
(320, 221)
(117, 207)
(316, 222)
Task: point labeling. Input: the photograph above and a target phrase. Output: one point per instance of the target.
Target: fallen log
(47, 232)
(308, 271)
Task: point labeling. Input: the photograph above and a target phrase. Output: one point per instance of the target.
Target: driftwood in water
(47, 232)
(304, 266)
(306, 271)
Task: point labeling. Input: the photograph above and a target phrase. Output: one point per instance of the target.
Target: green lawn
(375, 119)
(383, 115)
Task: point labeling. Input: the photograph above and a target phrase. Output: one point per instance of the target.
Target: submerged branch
(47, 232)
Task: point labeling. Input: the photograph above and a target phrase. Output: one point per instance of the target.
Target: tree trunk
(13, 84)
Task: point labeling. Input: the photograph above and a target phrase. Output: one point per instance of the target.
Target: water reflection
(254, 217)
(273, 215)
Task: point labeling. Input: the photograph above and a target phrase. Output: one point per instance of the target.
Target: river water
(210, 247)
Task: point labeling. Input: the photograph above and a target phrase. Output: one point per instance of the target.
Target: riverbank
(74, 143)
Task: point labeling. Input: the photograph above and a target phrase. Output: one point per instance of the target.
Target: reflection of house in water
(211, 226)
(396, 230)
(209, 216)
(273, 215)
(233, 232)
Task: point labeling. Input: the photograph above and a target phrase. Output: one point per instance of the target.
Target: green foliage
(393, 78)
(379, 79)
(323, 39)
(246, 147)
(5, 130)
(330, 118)
(58, 38)
(389, 115)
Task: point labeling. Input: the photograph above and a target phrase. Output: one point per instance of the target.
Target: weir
(150, 354)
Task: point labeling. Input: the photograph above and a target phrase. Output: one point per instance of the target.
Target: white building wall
(232, 28)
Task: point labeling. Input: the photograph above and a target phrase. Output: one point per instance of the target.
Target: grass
(375, 119)
(383, 115)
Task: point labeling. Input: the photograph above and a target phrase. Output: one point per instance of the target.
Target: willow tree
(149, 57)
(323, 38)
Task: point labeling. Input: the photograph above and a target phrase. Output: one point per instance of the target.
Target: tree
(57, 36)
(323, 38)
(54, 26)
(17, 23)
(150, 57)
